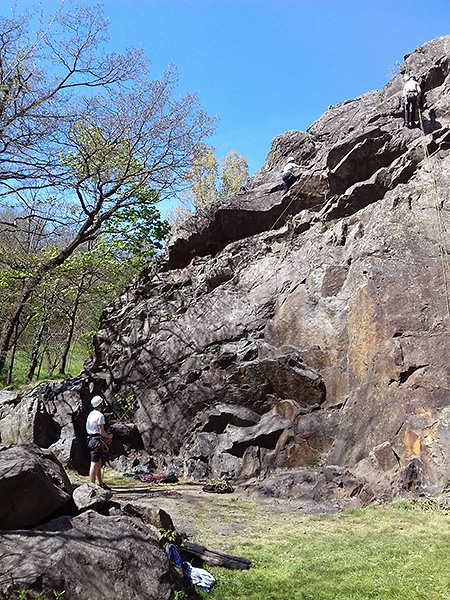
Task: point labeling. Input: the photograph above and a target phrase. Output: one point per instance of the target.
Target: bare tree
(89, 134)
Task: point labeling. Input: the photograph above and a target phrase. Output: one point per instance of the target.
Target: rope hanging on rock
(445, 261)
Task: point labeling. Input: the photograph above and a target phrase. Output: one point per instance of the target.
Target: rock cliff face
(307, 332)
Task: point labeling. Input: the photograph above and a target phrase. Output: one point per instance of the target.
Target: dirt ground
(202, 517)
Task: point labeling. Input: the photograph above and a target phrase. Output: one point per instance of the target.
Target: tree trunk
(11, 322)
(35, 353)
(215, 557)
(73, 316)
(86, 231)
(13, 355)
(51, 363)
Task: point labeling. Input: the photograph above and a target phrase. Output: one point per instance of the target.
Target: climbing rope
(445, 260)
(298, 191)
(324, 202)
(438, 205)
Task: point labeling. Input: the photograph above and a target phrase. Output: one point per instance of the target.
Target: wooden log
(214, 557)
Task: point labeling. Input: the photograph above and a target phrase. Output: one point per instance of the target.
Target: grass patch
(109, 476)
(398, 552)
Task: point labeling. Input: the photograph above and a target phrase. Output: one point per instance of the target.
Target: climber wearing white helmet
(411, 99)
(288, 174)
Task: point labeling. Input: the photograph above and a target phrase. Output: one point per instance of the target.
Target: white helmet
(291, 159)
(96, 401)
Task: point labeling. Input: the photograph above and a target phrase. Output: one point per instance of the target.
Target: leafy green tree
(66, 306)
(234, 173)
(86, 135)
(135, 234)
(202, 177)
(206, 183)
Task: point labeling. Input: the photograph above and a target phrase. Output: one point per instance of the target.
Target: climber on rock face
(288, 174)
(411, 100)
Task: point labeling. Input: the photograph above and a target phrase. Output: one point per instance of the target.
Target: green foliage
(396, 68)
(124, 406)
(73, 294)
(78, 356)
(170, 536)
(135, 233)
(100, 161)
(234, 173)
(22, 594)
(174, 448)
(201, 177)
(180, 595)
(206, 183)
(33, 595)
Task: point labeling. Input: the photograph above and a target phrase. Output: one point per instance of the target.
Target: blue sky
(269, 66)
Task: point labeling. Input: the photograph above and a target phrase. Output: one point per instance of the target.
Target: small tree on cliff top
(234, 173)
(90, 127)
(206, 182)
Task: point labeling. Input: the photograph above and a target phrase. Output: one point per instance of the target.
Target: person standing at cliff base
(411, 99)
(96, 440)
(288, 176)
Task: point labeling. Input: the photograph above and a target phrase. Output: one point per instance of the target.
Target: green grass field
(397, 552)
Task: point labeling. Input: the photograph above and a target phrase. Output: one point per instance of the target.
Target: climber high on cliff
(411, 99)
(288, 174)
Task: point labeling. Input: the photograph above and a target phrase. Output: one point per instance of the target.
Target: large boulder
(26, 420)
(51, 415)
(88, 556)
(33, 486)
(90, 496)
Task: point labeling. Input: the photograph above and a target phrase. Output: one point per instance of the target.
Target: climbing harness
(96, 441)
(411, 106)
